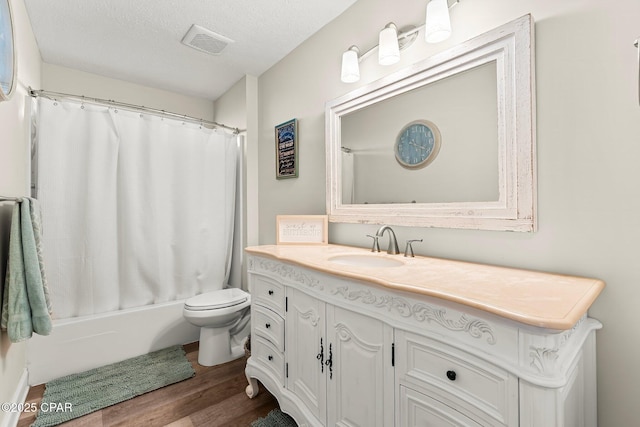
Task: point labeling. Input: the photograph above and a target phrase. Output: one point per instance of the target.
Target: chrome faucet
(408, 251)
(376, 245)
(393, 243)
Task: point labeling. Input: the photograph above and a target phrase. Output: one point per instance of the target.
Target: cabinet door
(304, 330)
(360, 379)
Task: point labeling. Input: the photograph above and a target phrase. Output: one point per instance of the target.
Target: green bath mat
(76, 395)
(275, 418)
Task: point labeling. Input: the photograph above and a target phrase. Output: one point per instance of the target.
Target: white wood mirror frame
(511, 47)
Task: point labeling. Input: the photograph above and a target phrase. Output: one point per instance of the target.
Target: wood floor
(213, 397)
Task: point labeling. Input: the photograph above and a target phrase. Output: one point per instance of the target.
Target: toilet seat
(216, 299)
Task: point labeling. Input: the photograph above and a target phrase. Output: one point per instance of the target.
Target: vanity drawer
(267, 292)
(269, 325)
(267, 356)
(477, 388)
(418, 410)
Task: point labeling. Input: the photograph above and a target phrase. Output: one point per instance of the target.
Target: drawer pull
(451, 375)
(270, 357)
(270, 292)
(267, 325)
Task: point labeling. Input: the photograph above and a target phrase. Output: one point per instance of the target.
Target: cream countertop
(539, 299)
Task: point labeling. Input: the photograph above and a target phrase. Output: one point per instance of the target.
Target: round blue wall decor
(417, 144)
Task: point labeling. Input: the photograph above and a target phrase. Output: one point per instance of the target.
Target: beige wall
(588, 129)
(14, 178)
(66, 80)
(238, 107)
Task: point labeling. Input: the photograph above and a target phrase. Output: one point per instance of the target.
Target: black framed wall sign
(287, 149)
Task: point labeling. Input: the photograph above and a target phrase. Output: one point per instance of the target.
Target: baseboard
(19, 397)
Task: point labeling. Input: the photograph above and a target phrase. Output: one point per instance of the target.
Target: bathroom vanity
(343, 336)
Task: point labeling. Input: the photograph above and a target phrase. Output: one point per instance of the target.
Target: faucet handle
(376, 245)
(408, 251)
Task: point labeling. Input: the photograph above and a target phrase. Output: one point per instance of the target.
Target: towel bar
(10, 199)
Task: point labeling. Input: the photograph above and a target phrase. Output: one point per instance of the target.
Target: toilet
(220, 315)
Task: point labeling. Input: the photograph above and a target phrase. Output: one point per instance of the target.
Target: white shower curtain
(136, 209)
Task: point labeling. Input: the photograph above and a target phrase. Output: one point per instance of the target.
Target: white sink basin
(375, 261)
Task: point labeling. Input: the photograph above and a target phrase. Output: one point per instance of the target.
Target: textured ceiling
(140, 40)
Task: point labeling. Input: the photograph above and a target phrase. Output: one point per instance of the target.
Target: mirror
(448, 142)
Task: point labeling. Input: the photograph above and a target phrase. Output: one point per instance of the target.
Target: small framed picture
(302, 230)
(287, 149)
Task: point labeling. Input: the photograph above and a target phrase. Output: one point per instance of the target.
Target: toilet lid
(217, 299)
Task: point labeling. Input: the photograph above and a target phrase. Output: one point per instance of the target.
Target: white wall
(14, 180)
(588, 134)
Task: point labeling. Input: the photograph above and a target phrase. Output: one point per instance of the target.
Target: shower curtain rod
(109, 102)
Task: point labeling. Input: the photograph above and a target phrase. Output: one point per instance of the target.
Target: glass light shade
(350, 68)
(388, 48)
(438, 22)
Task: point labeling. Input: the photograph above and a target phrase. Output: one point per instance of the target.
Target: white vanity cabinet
(334, 358)
(267, 327)
(352, 352)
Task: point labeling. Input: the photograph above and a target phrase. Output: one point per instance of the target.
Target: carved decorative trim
(421, 312)
(286, 272)
(345, 334)
(543, 359)
(567, 335)
(310, 315)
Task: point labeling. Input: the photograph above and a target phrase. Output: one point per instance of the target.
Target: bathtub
(83, 343)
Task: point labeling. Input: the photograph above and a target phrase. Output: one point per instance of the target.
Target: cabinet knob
(267, 325)
(270, 292)
(270, 357)
(451, 375)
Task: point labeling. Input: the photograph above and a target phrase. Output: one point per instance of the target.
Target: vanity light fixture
(389, 47)
(437, 28)
(350, 67)
(437, 22)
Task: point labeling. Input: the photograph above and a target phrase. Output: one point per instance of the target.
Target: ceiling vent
(204, 40)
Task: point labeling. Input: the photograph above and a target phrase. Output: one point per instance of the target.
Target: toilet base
(215, 347)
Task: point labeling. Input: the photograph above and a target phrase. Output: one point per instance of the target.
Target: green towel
(25, 306)
(37, 234)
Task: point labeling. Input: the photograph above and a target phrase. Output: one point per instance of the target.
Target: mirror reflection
(464, 168)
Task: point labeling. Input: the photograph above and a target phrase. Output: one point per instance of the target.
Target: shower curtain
(137, 209)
